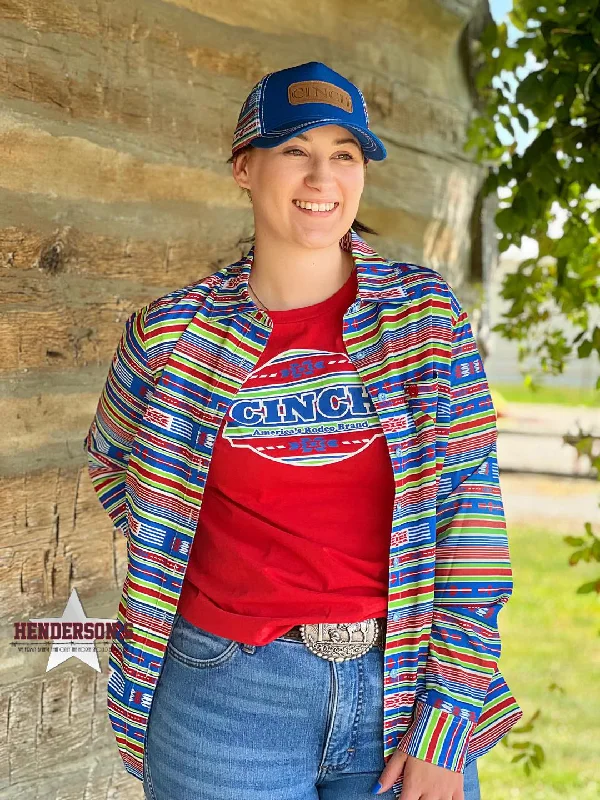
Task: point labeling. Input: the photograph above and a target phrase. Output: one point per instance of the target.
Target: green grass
(549, 635)
(560, 395)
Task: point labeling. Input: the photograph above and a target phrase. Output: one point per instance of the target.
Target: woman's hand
(421, 779)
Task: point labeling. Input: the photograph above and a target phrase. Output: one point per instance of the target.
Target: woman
(349, 552)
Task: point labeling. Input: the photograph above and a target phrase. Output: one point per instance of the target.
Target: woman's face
(322, 166)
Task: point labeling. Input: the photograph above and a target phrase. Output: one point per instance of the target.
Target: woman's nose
(319, 172)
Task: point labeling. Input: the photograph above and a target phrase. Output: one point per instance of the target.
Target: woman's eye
(297, 151)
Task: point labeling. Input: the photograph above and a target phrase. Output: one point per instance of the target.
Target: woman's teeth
(315, 206)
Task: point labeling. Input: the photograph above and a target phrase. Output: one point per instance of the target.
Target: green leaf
(544, 180)
(523, 122)
(539, 751)
(528, 90)
(541, 146)
(513, 57)
(576, 557)
(526, 728)
(517, 21)
(506, 122)
(521, 745)
(587, 588)
(581, 48)
(574, 541)
(530, 198)
(489, 37)
(518, 757)
(507, 220)
(504, 244)
(564, 83)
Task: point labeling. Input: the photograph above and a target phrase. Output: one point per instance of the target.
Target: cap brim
(372, 146)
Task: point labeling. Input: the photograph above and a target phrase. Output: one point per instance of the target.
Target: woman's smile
(316, 209)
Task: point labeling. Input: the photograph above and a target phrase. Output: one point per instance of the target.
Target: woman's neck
(286, 277)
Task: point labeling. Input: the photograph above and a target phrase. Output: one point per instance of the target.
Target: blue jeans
(236, 721)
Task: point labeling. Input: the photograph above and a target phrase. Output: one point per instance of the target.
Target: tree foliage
(559, 101)
(556, 99)
(546, 85)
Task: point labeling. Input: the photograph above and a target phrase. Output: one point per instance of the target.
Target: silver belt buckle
(340, 641)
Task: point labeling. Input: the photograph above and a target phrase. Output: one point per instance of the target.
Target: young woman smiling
(318, 612)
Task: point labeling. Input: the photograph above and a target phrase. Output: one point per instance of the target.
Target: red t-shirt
(297, 510)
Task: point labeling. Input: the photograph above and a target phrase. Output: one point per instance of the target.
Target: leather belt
(340, 641)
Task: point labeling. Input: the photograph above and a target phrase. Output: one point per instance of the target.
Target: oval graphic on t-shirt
(303, 407)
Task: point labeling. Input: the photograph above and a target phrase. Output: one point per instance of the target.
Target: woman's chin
(318, 238)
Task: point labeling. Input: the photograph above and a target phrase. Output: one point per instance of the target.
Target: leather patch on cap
(319, 92)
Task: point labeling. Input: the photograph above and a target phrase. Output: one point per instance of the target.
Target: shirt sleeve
(121, 407)
(473, 576)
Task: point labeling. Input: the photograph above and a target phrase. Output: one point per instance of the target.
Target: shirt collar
(377, 279)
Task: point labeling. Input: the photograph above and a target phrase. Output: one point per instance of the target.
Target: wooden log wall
(115, 127)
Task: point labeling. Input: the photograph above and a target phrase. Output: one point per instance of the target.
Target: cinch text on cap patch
(319, 92)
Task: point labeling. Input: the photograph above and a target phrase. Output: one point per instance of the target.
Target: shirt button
(381, 396)
(355, 306)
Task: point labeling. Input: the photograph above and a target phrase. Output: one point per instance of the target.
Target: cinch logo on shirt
(303, 407)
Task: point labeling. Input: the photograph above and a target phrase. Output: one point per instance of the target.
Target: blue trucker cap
(290, 101)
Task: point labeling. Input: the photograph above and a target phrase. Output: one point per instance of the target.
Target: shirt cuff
(437, 736)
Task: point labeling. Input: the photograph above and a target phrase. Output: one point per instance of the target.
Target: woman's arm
(120, 409)
(473, 577)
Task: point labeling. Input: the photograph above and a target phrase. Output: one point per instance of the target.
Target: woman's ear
(239, 168)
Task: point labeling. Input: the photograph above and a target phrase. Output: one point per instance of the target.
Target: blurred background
(115, 127)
